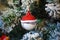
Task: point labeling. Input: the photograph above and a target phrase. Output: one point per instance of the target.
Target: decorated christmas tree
(30, 19)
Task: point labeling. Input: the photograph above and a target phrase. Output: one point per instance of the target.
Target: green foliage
(9, 19)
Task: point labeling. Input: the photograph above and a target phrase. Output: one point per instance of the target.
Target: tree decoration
(28, 21)
(19, 19)
(4, 37)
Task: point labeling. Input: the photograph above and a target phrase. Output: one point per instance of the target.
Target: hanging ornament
(28, 21)
(4, 37)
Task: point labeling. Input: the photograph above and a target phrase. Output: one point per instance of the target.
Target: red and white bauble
(28, 21)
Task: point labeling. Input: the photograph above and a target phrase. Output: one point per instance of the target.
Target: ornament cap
(28, 16)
